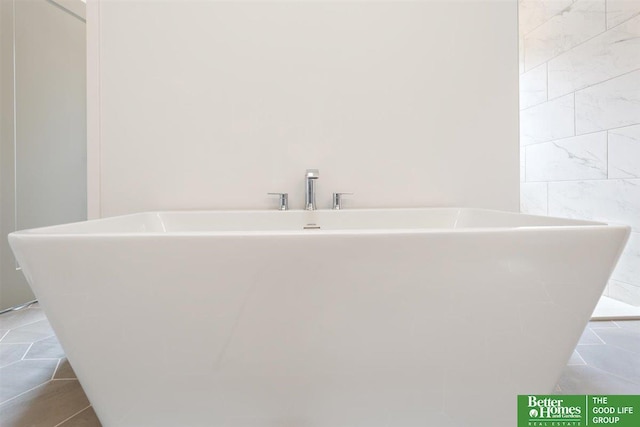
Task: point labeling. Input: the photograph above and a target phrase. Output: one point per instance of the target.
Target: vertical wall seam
(15, 132)
(525, 164)
(546, 64)
(99, 76)
(547, 198)
(607, 156)
(575, 113)
(94, 111)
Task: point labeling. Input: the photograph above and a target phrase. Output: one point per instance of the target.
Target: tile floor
(38, 388)
(605, 361)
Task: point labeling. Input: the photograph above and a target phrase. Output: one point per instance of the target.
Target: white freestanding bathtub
(389, 317)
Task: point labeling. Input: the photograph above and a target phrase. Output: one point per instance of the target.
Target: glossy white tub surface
(389, 317)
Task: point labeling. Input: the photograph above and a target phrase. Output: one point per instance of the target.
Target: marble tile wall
(580, 118)
(624, 152)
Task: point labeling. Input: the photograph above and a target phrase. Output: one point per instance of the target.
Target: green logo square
(578, 410)
(551, 411)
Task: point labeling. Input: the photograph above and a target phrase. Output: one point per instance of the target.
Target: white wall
(6, 121)
(580, 101)
(43, 174)
(13, 287)
(50, 114)
(199, 105)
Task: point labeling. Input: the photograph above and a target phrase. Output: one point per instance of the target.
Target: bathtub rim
(51, 232)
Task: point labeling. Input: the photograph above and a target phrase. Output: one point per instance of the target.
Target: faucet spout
(310, 189)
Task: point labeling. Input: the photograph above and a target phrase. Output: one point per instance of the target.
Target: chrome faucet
(283, 199)
(337, 200)
(310, 189)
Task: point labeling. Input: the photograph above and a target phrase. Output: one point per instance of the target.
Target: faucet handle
(283, 199)
(337, 200)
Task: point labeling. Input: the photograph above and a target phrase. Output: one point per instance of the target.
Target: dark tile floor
(38, 387)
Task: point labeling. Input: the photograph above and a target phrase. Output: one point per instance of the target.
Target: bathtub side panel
(317, 330)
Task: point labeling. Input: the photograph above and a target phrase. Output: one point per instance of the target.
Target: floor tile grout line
(23, 393)
(13, 343)
(625, 349)
(580, 356)
(613, 375)
(599, 337)
(21, 342)
(26, 351)
(27, 360)
(27, 324)
(22, 360)
(55, 370)
(606, 327)
(77, 413)
(11, 364)
(38, 386)
(616, 322)
(43, 358)
(38, 340)
(46, 338)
